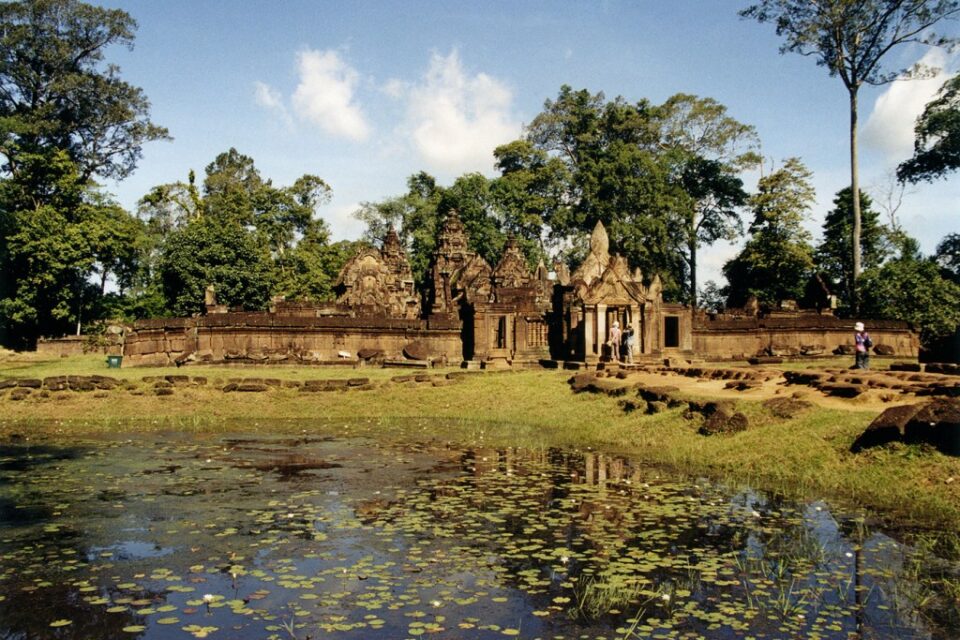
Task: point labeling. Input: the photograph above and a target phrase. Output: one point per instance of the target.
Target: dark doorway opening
(671, 332)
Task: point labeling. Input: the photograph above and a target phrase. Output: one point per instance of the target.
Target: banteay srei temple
(481, 316)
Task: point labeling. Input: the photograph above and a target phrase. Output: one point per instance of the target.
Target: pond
(299, 536)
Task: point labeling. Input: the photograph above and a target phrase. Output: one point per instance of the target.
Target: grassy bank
(806, 455)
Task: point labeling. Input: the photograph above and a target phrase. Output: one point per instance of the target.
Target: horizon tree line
(665, 179)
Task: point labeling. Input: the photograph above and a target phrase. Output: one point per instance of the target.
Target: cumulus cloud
(271, 99)
(455, 120)
(889, 129)
(325, 95)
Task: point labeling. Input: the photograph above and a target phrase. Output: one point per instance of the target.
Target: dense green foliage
(834, 255)
(777, 260)
(851, 38)
(937, 145)
(662, 179)
(242, 235)
(913, 290)
(66, 118)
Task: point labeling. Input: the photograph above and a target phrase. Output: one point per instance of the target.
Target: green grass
(807, 455)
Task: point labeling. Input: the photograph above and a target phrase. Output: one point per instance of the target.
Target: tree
(530, 192)
(271, 234)
(834, 256)
(210, 252)
(850, 38)
(937, 146)
(709, 148)
(777, 260)
(66, 118)
(913, 290)
(615, 174)
(716, 194)
(56, 93)
(948, 256)
(414, 217)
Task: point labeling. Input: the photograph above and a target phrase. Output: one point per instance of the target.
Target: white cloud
(455, 120)
(343, 226)
(271, 99)
(889, 128)
(326, 97)
(395, 88)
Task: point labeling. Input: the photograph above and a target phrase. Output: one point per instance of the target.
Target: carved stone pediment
(375, 282)
(611, 289)
(606, 279)
(473, 280)
(512, 270)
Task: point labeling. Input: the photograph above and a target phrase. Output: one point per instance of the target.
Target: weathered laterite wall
(795, 334)
(276, 338)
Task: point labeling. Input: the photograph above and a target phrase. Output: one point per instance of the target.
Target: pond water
(173, 536)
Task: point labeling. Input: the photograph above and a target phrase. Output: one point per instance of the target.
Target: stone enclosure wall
(796, 334)
(266, 337)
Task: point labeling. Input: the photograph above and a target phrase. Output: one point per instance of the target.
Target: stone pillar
(589, 337)
(602, 328)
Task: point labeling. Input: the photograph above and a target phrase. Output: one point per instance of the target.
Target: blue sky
(364, 94)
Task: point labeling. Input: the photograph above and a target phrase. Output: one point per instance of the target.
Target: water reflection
(297, 537)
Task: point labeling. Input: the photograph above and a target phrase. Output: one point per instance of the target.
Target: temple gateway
(500, 316)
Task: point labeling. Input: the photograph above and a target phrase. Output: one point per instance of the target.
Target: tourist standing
(628, 339)
(862, 342)
(615, 340)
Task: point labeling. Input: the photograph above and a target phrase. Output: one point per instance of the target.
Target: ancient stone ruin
(483, 316)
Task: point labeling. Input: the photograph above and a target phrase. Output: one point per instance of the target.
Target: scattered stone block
(936, 423)
(19, 393)
(417, 350)
(370, 353)
(657, 407)
(630, 406)
(843, 390)
(723, 421)
(163, 391)
(944, 368)
(743, 385)
(251, 387)
(29, 383)
(884, 350)
(787, 407)
(56, 383)
(905, 366)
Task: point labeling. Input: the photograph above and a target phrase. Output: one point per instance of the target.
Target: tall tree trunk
(693, 274)
(855, 193)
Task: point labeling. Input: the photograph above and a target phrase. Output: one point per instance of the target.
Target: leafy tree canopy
(851, 38)
(834, 257)
(56, 92)
(937, 146)
(777, 260)
(915, 291)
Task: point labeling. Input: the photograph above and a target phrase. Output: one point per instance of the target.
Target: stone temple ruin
(483, 316)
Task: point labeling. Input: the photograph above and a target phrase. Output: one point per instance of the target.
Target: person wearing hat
(862, 343)
(615, 340)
